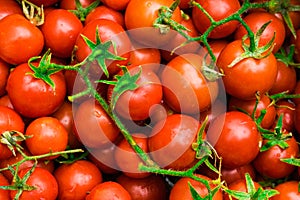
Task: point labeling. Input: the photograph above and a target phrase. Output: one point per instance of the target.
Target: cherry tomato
(148, 57)
(45, 3)
(61, 25)
(71, 5)
(240, 186)
(287, 109)
(256, 20)
(19, 39)
(4, 194)
(47, 135)
(287, 190)
(41, 99)
(8, 7)
(107, 191)
(148, 188)
(232, 175)
(231, 131)
(218, 10)
(116, 4)
(249, 76)
(43, 180)
(77, 179)
(4, 73)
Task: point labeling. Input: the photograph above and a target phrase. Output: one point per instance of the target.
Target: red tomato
(297, 91)
(171, 139)
(240, 186)
(126, 158)
(71, 5)
(148, 57)
(93, 127)
(185, 88)
(235, 138)
(148, 188)
(45, 3)
(249, 76)
(61, 25)
(288, 190)
(107, 191)
(4, 73)
(5, 101)
(268, 163)
(108, 31)
(41, 99)
(77, 179)
(181, 189)
(142, 30)
(116, 4)
(256, 20)
(232, 175)
(217, 46)
(43, 180)
(47, 135)
(218, 10)
(8, 7)
(19, 39)
(287, 109)
(4, 194)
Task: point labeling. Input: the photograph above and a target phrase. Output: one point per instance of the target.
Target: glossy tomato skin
(287, 191)
(108, 30)
(232, 175)
(47, 187)
(71, 5)
(255, 20)
(4, 194)
(148, 188)
(8, 7)
(61, 25)
(93, 127)
(47, 135)
(148, 57)
(41, 99)
(107, 191)
(182, 78)
(4, 73)
(239, 185)
(19, 39)
(45, 3)
(268, 163)
(218, 9)
(249, 76)
(181, 189)
(235, 137)
(287, 109)
(70, 179)
(116, 4)
(171, 139)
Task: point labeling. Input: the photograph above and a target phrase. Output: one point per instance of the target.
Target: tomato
(248, 106)
(61, 25)
(268, 163)
(77, 179)
(256, 20)
(171, 139)
(285, 80)
(5, 101)
(104, 12)
(47, 135)
(43, 180)
(249, 76)
(148, 57)
(4, 73)
(116, 4)
(297, 91)
(148, 188)
(126, 158)
(218, 10)
(239, 185)
(19, 39)
(287, 109)
(182, 78)
(217, 46)
(142, 30)
(8, 7)
(232, 175)
(108, 31)
(71, 5)
(9, 121)
(184, 4)
(4, 194)
(287, 190)
(181, 189)
(45, 3)
(107, 191)
(93, 127)
(231, 131)
(136, 104)
(41, 99)
(297, 119)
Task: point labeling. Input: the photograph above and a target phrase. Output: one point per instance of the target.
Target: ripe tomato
(4, 194)
(107, 191)
(4, 73)
(77, 179)
(47, 135)
(5, 101)
(256, 20)
(61, 25)
(268, 164)
(249, 76)
(148, 57)
(71, 5)
(182, 78)
(297, 91)
(43, 180)
(19, 39)
(116, 4)
(287, 109)
(232, 175)
(287, 191)
(235, 138)
(148, 188)
(45, 3)
(241, 186)
(218, 10)
(93, 127)
(41, 99)
(181, 189)
(108, 31)
(142, 30)
(126, 158)
(8, 7)
(171, 139)
(217, 46)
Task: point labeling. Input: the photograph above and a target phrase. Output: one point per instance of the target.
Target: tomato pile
(149, 99)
